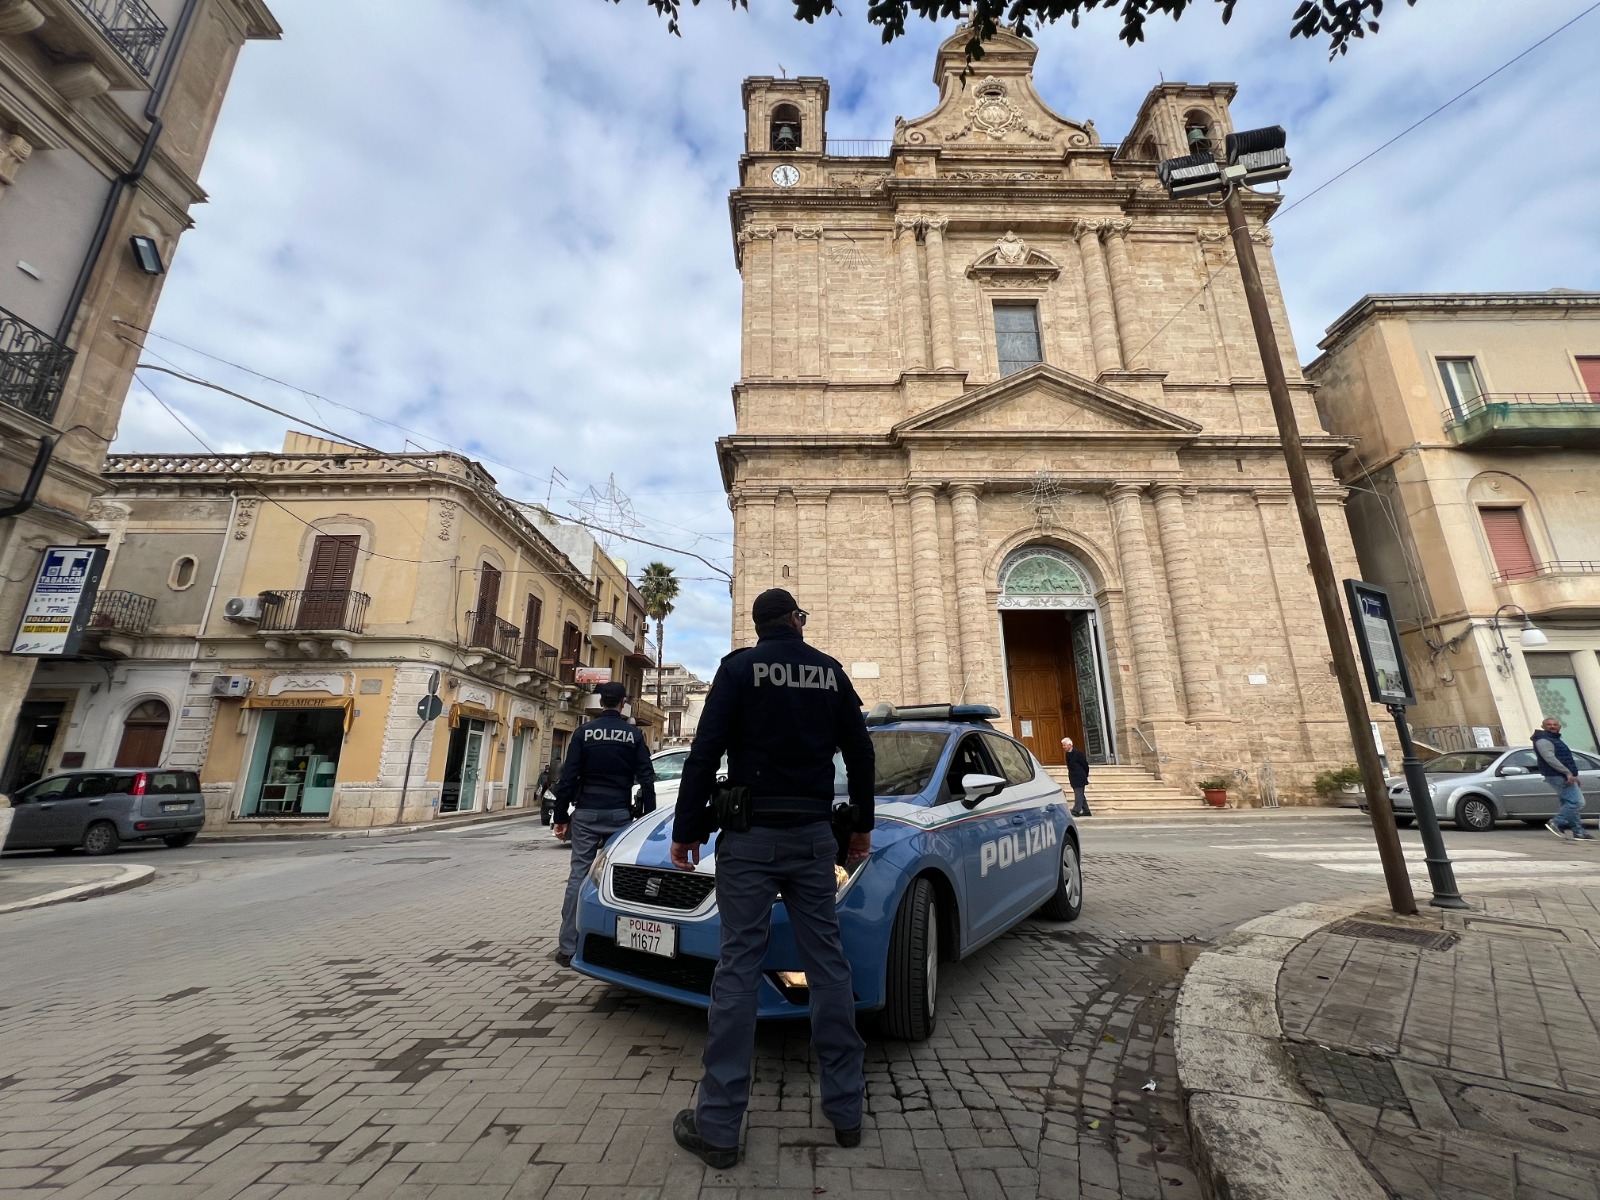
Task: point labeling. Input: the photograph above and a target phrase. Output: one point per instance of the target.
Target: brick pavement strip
(387, 1041)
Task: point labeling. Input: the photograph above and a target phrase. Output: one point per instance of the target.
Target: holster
(844, 819)
(731, 806)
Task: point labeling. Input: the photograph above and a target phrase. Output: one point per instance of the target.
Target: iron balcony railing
(1565, 566)
(1451, 738)
(538, 656)
(309, 609)
(33, 367)
(1504, 401)
(121, 612)
(485, 631)
(622, 626)
(131, 26)
(859, 147)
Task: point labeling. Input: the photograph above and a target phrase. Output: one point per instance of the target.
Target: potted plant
(1215, 790)
(1346, 781)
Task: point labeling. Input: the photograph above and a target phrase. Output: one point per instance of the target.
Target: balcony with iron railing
(1570, 420)
(121, 612)
(33, 367)
(1570, 587)
(859, 147)
(538, 656)
(119, 40)
(485, 631)
(309, 610)
(609, 631)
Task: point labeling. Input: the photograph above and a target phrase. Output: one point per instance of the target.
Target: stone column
(913, 345)
(1196, 657)
(944, 354)
(808, 298)
(1102, 311)
(932, 640)
(1124, 292)
(971, 597)
(756, 266)
(1151, 661)
(812, 535)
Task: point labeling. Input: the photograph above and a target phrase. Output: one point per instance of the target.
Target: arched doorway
(144, 735)
(1055, 663)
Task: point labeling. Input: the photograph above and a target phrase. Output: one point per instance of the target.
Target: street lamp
(1532, 635)
(1259, 156)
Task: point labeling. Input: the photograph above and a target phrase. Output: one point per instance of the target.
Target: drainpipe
(30, 490)
(131, 177)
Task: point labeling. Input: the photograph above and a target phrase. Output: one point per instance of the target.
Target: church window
(785, 128)
(1016, 336)
(1461, 384)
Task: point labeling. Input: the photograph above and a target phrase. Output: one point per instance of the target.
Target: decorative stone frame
(173, 574)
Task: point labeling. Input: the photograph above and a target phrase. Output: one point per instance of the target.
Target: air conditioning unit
(246, 610)
(234, 687)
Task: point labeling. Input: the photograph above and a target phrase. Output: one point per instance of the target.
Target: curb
(130, 877)
(438, 826)
(1298, 812)
(1257, 1134)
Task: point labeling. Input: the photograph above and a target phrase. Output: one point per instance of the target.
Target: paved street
(381, 1018)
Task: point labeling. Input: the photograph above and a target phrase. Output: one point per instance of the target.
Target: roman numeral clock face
(785, 176)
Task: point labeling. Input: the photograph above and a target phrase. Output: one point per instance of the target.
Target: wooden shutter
(1508, 542)
(488, 590)
(530, 632)
(328, 580)
(1589, 369)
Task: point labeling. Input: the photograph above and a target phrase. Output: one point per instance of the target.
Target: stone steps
(1128, 789)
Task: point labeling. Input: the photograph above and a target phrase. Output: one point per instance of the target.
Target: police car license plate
(653, 937)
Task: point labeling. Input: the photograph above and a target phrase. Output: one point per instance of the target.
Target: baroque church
(1002, 428)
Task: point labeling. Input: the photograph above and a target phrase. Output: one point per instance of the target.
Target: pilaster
(1156, 698)
(913, 344)
(1102, 310)
(971, 597)
(1124, 294)
(939, 296)
(1196, 657)
(932, 638)
(811, 589)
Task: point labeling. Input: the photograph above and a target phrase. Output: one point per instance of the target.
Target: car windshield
(1465, 763)
(670, 766)
(907, 759)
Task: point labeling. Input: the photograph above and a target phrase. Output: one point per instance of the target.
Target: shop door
(327, 596)
(144, 735)
(37, 725)
(1043, 683)
(463, 767)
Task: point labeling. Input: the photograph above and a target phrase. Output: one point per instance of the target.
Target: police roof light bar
(884, 713)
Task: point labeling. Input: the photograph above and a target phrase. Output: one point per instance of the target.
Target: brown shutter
(1508, 542)
(328, 579)
(1589, 369)
(530, 632)
(488, 590)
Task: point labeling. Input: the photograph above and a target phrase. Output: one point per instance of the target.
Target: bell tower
(1176, 118)
(785, 121)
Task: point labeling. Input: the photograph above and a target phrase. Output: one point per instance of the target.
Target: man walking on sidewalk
(1560, 770)
(1078, 777)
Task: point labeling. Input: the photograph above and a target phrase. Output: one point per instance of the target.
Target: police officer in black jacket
(778, 710)
(607, 757)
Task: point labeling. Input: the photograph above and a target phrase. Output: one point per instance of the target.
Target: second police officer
(779, 710)
(607, 757)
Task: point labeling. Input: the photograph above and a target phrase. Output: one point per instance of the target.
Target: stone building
(106, 114)
(1002, 426)
(1475, 499)
(683, 695)
(273, 621)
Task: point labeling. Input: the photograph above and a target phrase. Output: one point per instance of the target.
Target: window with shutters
(1462, 386)
(530, 633)
(483, 617)
(1589, 372)
(1508, 542)
(328, 580)
(1016, 336)
(571, 647)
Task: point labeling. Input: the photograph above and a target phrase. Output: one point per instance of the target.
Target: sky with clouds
(503, 225)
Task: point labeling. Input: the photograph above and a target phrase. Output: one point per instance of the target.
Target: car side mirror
(1514, 770)
(978, 788)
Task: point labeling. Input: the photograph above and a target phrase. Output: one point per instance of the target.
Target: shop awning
(518, 724)
(460, 712)
(347, 703)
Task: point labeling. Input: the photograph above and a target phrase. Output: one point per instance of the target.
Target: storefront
(295, 762)
(468, 759)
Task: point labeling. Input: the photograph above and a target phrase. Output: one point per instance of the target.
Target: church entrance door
(1043, 682)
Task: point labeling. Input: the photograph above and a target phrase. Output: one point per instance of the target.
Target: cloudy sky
(503, 225)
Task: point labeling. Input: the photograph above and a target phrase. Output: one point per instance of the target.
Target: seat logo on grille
(652, 887)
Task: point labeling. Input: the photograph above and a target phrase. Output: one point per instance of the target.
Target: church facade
(1002, 428)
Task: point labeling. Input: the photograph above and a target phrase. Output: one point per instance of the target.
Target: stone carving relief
(14, 151)
(333, 685)
(807, 233)
(479, 696)
(1007, 176)
(1013, 263)
(862, 180)
(1042, 571)
(447, 519)
(994, 115)
(243, 518)
(757, 233)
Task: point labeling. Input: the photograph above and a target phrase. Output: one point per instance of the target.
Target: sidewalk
(1342, 1051)
(38, 886)
(283, 831)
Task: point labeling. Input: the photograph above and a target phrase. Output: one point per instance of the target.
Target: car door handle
(1018, 820)
(46, 804)
(92, 802)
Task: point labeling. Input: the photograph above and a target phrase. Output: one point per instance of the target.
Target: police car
(972, 837)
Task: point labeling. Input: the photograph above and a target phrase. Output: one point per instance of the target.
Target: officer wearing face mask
(779, 710)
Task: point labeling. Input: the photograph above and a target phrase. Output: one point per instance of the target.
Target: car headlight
(598, 867)
(844, 877)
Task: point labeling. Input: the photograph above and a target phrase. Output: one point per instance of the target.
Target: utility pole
(1344, 660)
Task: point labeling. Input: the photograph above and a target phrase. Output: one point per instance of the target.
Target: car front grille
(681, 890)
(686, 972)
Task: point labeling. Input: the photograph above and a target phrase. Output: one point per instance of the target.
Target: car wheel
(101, 838)
(1067, 903)
(912, 990)
(1475, 814)
(178, 841)
(1405, 822)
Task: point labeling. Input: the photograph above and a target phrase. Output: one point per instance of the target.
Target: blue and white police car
(972, 836)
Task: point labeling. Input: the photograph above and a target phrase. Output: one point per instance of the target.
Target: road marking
(1358, 856)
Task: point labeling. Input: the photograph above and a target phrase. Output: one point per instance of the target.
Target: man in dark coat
(1554, 759)
(1078, 777)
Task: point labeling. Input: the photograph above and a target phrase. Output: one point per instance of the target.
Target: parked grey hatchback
(1476, 788)
(101, 809)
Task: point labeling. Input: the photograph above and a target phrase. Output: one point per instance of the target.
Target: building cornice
(1467, 305)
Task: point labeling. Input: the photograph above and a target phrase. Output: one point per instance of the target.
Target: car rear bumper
(133, 828)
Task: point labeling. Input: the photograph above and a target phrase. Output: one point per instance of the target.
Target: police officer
(607, 757)
(778, 710)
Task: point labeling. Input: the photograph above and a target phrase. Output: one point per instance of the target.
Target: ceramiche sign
(62, 599)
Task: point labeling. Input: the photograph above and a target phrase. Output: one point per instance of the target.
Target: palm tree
(659, 587)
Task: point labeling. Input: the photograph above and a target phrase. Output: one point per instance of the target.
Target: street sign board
(591, 675)
(429, 707)
(58, 608)
(1388, 681)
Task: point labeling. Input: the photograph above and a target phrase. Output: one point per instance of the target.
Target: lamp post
(1532, 635)
(1258, 156)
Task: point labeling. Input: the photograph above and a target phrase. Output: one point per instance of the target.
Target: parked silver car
(1476, 788)
(100, 809)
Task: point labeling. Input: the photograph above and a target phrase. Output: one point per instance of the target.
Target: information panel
(63, 596)
(1388, 681)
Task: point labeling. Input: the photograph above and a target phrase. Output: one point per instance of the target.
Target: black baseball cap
(773, 605)
(611, 694)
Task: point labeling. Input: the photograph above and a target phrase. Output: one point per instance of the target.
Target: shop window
(144, 735)
(1555, 682)
(295, 764)
(184, 570)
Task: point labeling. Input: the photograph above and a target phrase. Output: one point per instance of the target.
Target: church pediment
(1046, 399)
(1013, 263)
(990, 103)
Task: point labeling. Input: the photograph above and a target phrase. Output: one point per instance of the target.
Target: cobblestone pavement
(383, 1019)
(1465, 1070)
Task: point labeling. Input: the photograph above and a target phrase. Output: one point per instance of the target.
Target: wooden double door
(1046, 703)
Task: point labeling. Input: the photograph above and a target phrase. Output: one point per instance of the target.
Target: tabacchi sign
(63, 597)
